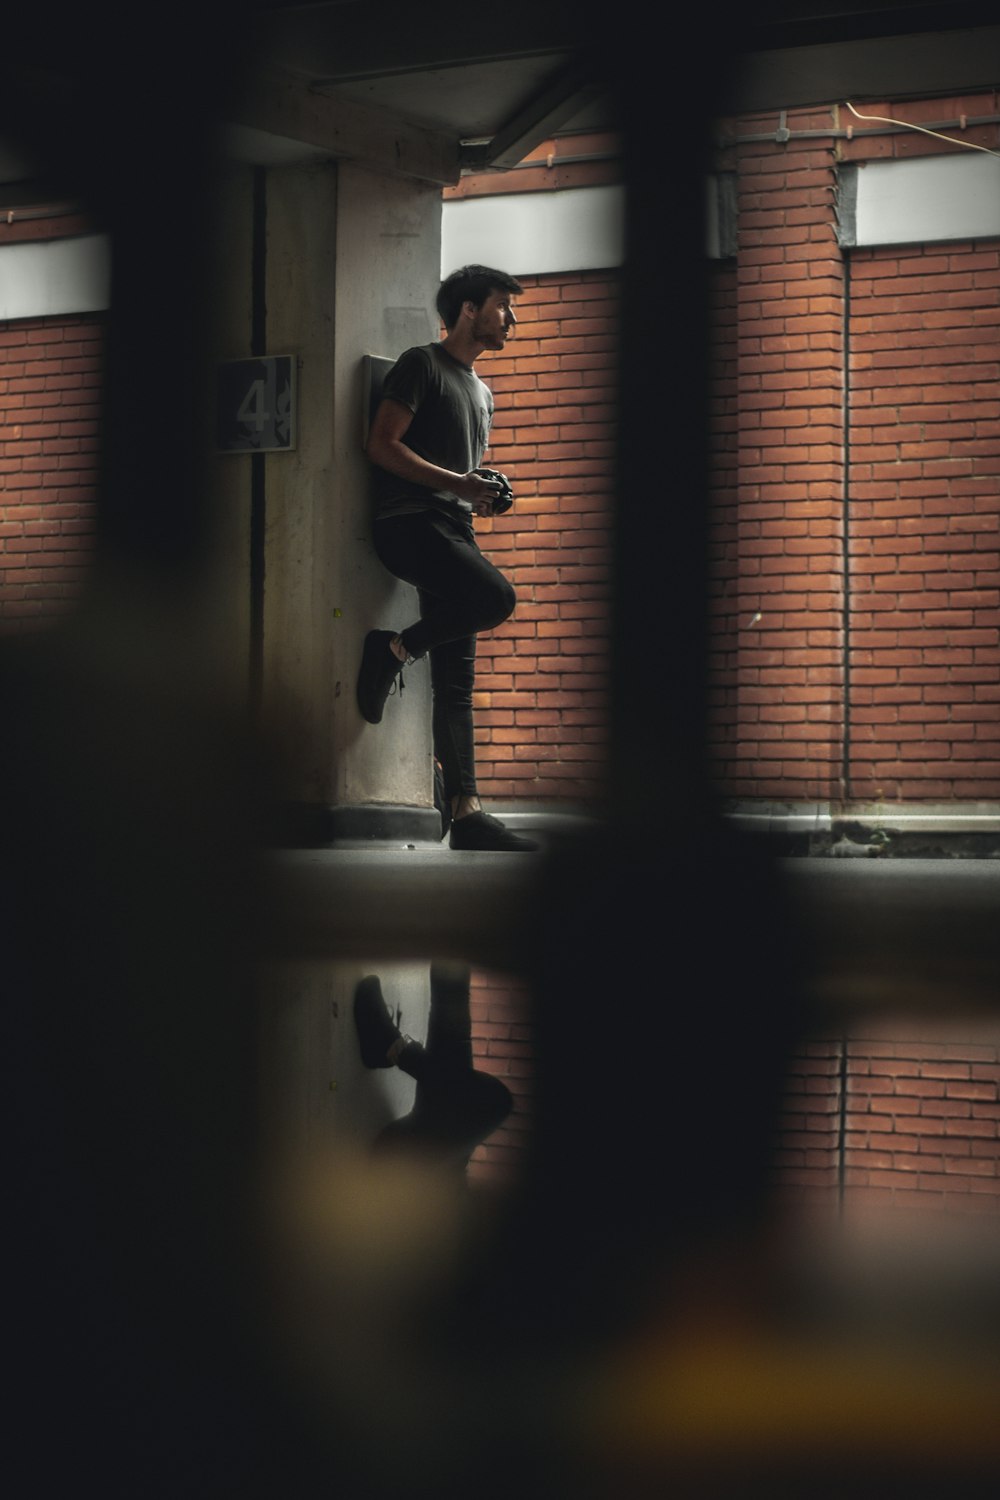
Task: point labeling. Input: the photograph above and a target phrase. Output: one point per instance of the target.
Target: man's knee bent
(498, 604)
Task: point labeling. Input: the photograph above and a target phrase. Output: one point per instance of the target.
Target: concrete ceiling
(817, 54)
(443, 67)
(496, 81)
(492, 82)
(443, 87)
(475, 100)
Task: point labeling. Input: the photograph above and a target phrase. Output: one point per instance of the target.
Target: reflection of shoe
(376, 1029)
(379, 668)
(480, 830)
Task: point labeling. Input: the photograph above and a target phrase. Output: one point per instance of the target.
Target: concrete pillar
(350, 265)
(352, 268)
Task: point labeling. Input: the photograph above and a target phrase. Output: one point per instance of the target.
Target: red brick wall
(789, 366)
(918, 337)
(50, 421)
(723, 570)
(925, 522)
(541, 680)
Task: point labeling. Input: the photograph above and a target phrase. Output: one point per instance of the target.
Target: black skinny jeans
(460, 593)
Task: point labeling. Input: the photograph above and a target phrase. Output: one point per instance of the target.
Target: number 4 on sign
(252, 408)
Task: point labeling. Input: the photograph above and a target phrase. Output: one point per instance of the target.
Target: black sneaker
(379, 668)
(480, 830)
(375, 1027)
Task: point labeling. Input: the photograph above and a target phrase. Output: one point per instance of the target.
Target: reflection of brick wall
(806, 1152)
(917, 1128)
(541, 683)
(903, 1115)
(501, 1044)
(923, 1119)
(50, 411)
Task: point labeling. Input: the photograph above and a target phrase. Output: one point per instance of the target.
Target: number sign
(256, 405)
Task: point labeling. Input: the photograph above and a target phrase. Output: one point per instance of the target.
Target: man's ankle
(462, 806)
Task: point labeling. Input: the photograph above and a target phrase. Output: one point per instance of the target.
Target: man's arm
(386, 448)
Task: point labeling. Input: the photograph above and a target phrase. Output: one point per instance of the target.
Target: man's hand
(481, 493)
(500, 497)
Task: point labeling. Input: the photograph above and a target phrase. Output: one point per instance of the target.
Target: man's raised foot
(379, 668)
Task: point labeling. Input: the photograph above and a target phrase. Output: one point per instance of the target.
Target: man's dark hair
(471, 284)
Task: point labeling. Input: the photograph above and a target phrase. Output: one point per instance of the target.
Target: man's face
(493, 322)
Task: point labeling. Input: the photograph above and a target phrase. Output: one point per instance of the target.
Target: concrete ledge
(402, 904)
(916, 830)
(780, 818)
(887, 936)
(959, 817)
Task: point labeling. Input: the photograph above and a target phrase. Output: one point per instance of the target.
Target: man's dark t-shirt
(452, 411)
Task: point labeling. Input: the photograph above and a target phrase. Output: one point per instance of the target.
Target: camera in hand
(505, 499)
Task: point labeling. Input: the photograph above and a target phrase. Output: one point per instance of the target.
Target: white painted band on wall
(53, 278)
(531, 234)
(925, 199)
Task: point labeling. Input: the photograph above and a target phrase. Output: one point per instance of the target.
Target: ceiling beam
(564, 96)
(280, 105)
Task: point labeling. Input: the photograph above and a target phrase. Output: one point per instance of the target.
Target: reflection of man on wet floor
(456, 1107)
